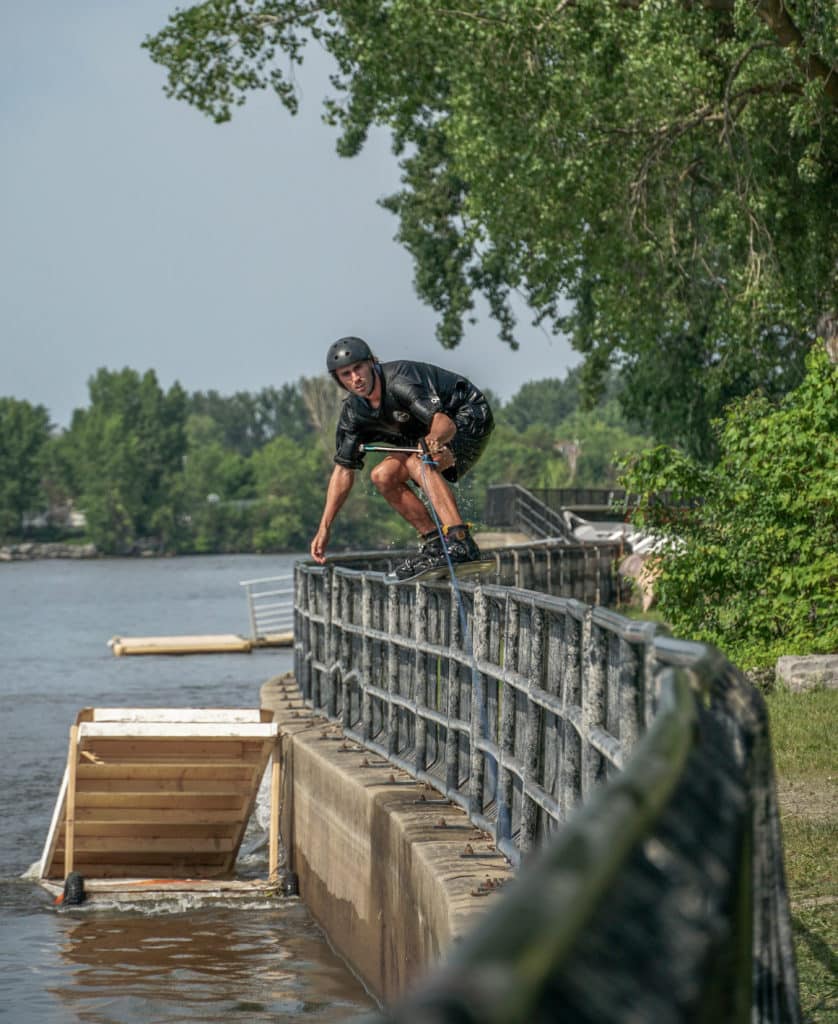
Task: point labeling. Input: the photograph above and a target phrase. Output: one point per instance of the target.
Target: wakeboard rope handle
(422, 450)
(388, 448)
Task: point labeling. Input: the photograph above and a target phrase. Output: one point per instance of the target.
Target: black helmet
(345, 352)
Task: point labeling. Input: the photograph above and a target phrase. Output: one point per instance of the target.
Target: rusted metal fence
(638, 765)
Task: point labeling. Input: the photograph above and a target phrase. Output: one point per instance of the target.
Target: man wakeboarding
(440, 419)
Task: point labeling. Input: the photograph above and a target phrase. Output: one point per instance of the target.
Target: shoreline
(33, 550)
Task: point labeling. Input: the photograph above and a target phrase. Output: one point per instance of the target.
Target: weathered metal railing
(270, 605)
(584, 571)
(640, 762)
(662, 899)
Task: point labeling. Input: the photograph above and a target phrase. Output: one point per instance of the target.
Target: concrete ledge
(806, 672)
(391, 872)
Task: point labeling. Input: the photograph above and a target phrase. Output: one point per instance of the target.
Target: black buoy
(74, 893)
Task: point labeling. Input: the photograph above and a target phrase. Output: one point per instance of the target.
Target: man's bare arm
(340, 484)
(441, 431)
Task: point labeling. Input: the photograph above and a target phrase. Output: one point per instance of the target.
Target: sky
(136, 232)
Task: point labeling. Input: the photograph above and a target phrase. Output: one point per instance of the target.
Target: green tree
(209, 468)
(669, 168)
(128, 449)
(322, 400)
(281, 412)
(601, 440)
(24, 434)
(289, 481)
(529, 459)
(233, 416)
(248, 421)
(543, 401)
(753, 568)
(58, 465)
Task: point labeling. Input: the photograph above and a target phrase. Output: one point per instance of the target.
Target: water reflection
(205, 965)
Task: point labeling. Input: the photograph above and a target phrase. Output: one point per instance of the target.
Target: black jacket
(411, 393)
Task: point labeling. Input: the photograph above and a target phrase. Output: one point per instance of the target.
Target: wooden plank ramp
(156, 800)
(223, 643)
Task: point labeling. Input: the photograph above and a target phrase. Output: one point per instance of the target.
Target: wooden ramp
(159, 799)
(224, 643)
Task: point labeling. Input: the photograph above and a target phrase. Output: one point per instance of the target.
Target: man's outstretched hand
(319, 545)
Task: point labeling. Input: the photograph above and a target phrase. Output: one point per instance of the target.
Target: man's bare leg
(391, 477)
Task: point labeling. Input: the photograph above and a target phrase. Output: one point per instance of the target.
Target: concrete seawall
(391, 871)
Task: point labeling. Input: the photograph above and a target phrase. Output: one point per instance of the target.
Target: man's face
(357, 377)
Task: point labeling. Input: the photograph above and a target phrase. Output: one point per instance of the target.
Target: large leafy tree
(24, 434)
(127, 454)
(669, 167)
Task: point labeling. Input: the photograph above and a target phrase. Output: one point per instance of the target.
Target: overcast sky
(136, 232)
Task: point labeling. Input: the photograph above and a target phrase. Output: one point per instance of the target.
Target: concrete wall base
(391, 872)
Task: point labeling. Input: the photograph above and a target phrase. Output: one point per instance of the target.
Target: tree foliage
(593, 443)
(211, 466)
(290, 481)
(128, 451)
(24, 434)
(543, 401)
(754, 567)
(515, 458)
(248, 421)
(198, 473)
(151, 474)
(668, 167)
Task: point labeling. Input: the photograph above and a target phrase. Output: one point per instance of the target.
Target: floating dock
(156, 801)
(270, 603)
(224, 643)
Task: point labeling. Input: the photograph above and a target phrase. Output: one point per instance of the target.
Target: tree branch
(776, 16)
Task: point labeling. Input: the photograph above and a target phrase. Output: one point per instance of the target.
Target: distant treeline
(205, 472)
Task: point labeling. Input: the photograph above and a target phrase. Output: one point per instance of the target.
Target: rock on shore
(807, 672)
(29, 551)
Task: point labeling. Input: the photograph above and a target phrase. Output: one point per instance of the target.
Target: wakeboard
(463, 571)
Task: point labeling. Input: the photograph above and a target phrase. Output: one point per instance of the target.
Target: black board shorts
(474, 425)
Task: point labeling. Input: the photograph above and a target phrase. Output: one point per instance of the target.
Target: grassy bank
(803, 728)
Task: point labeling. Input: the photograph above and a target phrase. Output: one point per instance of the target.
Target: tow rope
(427, 460)
(491, 764)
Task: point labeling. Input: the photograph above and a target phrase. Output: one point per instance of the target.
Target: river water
(179, 962)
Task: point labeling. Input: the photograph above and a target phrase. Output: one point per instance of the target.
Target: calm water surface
(182, 961)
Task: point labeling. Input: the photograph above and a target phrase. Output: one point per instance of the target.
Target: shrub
(752, 566)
